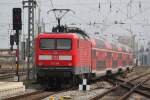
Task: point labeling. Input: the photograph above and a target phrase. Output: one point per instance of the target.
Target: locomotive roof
(46, 34)
(73, 30)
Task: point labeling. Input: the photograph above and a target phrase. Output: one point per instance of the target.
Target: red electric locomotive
(65, 57)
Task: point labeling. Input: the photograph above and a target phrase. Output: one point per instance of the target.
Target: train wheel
(109, 73)
(120, 71)
(88, 76)
(128, 70)
(76, 80)
(59, 84)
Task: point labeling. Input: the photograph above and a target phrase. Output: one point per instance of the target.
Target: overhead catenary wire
(131, 18)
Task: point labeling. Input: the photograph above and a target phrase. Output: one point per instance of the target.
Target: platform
(10, 88)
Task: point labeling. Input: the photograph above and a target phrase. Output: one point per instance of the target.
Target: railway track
(134, 88)
(37, 95)
(129, 85)
(10, 75)
(135, 71)
(2, 71)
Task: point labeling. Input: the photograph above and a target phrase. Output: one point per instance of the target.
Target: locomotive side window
(47, 44)
(64, 44)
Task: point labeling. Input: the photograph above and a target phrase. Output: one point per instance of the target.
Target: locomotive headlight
(67, 57)
(45, 57)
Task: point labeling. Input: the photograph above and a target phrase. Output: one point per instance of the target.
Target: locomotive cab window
(64, 44)
(47, 44)
(55, 44)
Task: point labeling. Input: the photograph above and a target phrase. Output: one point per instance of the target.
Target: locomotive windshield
(47, 44)
(55, 44)
(63, 44)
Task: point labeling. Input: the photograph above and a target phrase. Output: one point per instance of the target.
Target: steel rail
(117, 86)
(10, 75)
(38, 95)
(144, 92)
(125, 96)
(24, 95)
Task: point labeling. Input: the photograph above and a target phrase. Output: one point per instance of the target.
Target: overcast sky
(135, 17)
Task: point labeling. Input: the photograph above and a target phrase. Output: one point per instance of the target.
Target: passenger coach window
(47, 44)
(109, 55)
(120, 56)
(64, 44)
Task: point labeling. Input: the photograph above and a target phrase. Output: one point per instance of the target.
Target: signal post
(17, 27)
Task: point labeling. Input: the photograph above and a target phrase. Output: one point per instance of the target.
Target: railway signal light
(16, 38)
(17, 22)
(11, 41)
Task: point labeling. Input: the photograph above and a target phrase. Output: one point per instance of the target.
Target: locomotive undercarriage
(58, 79)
